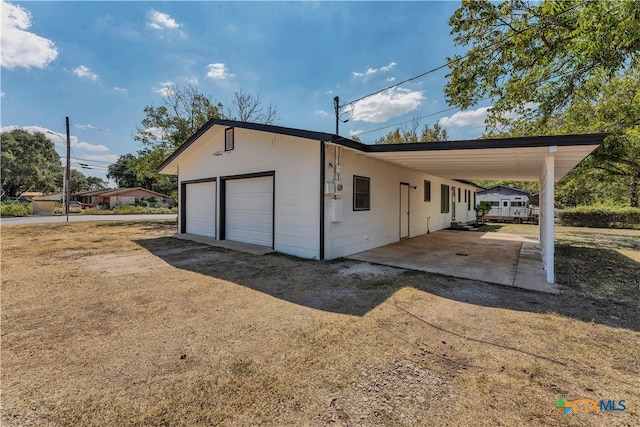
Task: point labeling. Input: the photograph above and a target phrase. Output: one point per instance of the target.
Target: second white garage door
(249, 210)
(201, 208)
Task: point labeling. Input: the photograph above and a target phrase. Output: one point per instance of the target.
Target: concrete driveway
(500, 258)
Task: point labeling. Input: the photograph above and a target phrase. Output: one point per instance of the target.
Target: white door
(404, 211)
(504, 207)
(200, 208)
(249, 210)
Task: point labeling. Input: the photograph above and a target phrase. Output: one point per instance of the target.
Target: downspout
(322, 172)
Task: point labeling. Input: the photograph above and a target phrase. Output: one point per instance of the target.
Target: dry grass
(118, 324)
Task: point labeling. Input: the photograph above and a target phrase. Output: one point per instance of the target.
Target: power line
(456, 59)
(452, 108)
(96, 161)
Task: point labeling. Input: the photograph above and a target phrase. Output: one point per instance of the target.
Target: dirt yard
(118, 324)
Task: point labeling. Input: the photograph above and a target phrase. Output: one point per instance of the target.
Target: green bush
(127, 209)
(601, 217)
(16, 209)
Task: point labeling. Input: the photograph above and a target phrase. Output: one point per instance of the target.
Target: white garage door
(249, 210)
(201, 208)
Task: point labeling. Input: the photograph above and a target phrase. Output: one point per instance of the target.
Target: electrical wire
(433, 70)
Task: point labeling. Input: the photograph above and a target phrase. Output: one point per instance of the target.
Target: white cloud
(165, 88)
(101, 157)
(120, 89)
(371, 71)
(155, 131)
(20, 48)
(2, 94)
(466, 118)
(321, 113)
(356, 132)
(383, 106)
(218, 71)
(58, 138)
(86, 146)
(92, 127)
(85, 72)
(162, 21)
(391, 79)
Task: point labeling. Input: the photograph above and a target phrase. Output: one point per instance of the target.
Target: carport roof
(519, 158)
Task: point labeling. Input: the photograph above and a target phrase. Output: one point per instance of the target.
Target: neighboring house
(506, 202)
(47, 203)
(110, 198)
(318, 195)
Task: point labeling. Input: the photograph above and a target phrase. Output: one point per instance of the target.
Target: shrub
(601, 217)
(16, 209)
(127, 209)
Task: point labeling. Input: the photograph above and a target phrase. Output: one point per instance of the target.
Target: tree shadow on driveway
(323, 285)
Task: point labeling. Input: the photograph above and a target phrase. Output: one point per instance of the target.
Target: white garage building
(318, 195)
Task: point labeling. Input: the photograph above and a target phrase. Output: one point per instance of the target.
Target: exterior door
(200, 208)
(504, 207)
(405, 207)
(453, 203)
(249, 210)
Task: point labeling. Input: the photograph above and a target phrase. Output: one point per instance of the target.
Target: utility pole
(67, 174)
(336, 105)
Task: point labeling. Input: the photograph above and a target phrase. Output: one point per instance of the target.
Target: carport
(543, 159)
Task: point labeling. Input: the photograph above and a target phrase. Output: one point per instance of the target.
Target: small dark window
(465, 195)
(474, 199)
(228, 139)
(427, 191)
(361, 193)
(469, 201)
(459, 198)
(495, 204)
(444, 198)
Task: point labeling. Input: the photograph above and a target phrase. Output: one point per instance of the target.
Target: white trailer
(508, 204)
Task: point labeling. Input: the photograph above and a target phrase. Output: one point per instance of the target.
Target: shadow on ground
(323, 285)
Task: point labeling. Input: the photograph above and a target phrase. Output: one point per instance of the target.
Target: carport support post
(547, 199)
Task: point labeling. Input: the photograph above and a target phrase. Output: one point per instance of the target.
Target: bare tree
(249, 108)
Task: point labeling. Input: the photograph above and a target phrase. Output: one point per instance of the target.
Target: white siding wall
(362, 230)
(296, 163)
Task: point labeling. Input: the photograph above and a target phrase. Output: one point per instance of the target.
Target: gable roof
(108, 192)
(497, 158)
(504, 189)
(318, 136)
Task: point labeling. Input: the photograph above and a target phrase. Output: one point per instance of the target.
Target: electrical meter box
(336, 209)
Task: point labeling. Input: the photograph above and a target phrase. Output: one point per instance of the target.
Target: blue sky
(101, 63)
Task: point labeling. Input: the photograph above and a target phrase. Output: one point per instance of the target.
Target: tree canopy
(29, 162)
(123, 172)
(81, 182)
(555, 67)
(184, 110)
(409, 134)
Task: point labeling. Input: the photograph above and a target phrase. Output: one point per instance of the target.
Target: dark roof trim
(464, 181)
(519, 142)
(319, 136)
